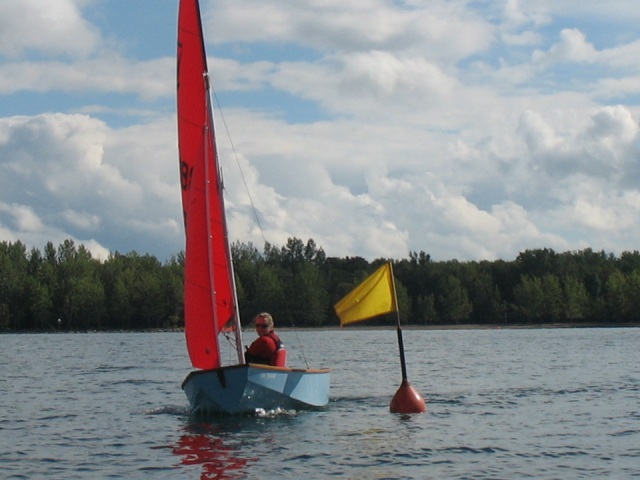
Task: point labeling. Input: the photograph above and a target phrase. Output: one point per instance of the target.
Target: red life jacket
(275, 339)
(279, 357)
(276, 359)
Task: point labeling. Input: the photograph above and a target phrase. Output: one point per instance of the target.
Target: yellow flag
(374, 296)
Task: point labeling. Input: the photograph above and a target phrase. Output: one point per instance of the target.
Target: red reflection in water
(199, 445)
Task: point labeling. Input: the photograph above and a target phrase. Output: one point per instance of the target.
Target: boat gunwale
(259, 366)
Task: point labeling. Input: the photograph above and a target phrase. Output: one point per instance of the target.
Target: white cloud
(46, 27)
(353, 26)
(71, 173)
(105, 74)
(81, 220)
(572, 47)
(466, 130)
(21, 223)
(23, 216)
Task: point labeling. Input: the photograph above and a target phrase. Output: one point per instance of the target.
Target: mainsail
(209, 296)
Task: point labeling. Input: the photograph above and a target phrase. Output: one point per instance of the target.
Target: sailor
(263, 349)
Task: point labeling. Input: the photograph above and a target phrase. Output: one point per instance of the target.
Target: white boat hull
(244, 388)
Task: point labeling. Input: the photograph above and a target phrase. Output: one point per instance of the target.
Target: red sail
(209, 292)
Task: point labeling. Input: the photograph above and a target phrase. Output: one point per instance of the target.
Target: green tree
(13, 290)
(117, 278)
(537, 262)
(270, 296)
(42, 286)
(299, 267)
(632, 296)
(307, 301)
(484, 295)
(247, 262)
(616, 297)
(529, 299)
(148, 294)
(629, 262)
(173, 285)
(424, 310)
(576, 299)
(539, 298)
(416, 274)
(80, 294)
(452, 301)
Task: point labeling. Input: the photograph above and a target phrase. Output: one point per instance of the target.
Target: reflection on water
(202, 444)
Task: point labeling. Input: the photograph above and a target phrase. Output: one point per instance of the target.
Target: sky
(468, 130)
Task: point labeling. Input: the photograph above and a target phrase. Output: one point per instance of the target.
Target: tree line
(64, 289)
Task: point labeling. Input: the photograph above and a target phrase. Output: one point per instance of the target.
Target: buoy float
(374, 296)
(407, 400)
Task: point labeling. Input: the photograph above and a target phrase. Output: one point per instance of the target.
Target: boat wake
(175, 410)
(276, 412)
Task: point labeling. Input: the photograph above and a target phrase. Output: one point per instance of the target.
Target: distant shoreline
(471, 326)
(536, 326)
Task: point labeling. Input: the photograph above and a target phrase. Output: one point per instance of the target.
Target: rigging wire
(235, 156)
(253, 207)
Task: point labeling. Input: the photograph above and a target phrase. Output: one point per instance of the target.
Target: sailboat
(210, 300)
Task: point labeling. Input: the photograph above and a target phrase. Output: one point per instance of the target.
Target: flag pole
(406, 399)
(403, 362)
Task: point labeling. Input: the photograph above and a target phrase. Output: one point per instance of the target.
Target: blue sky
(466, 129)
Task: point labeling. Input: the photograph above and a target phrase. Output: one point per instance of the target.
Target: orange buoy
(407, 400)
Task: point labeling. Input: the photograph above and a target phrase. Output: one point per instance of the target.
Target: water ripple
(501, 404)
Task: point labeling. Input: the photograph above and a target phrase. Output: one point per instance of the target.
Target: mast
(237, 327)
(210, 301)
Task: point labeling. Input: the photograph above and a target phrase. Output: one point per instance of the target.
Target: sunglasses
(262, 325)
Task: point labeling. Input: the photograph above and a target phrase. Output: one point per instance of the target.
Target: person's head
(263, 323)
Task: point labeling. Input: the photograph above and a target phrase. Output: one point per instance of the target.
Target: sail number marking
(186, 173)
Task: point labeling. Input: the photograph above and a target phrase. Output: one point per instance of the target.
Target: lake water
(503, 404)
